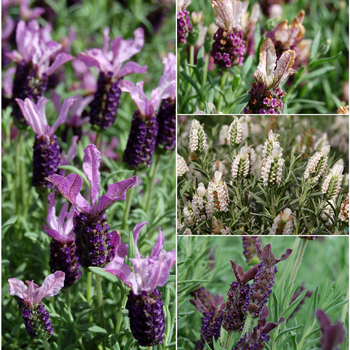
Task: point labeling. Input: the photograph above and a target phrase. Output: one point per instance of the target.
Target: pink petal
(95, 57)
(171, 258)
(35, 117)
(53, 234)
(50, 287)
(136, 232)
(105, 40)
(284, 68)
(51, 213)
(7, 83)
(67, 103)
(159, 245)
(52, 47)
(20, 36)
(18, 288)
(62, 215)
(131, 68)
(136, 93)
(91, 164)
(115, 192)
(59, 61)
(141, 274)
(124, 49)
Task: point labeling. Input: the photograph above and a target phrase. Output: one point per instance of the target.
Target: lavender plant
(220, 49)
(286, 317)
(277, 176)
(89, 313)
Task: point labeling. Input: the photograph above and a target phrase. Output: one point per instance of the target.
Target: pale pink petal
(105, 41)
(72, 151)
(8, 28)
(284, 68)
(141, 273)
(34, 118)
(131, 68)
(67, 103)
(159, 245)
(60, 60)
(136, 93)
(171, 258)
(68, 226)
(227, 13)
(20, 36)
(51, 48)
(53, 234)
(56, 100)
(95, 57)
(50, 287)
(91, 164)
(136, 232)
(115, 192)
(267, 62)
(124, 49)
(18, 288)
(62, 215)
(7, 83)
(51, 213)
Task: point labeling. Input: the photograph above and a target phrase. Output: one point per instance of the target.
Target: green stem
(298, 262)
(46, 345)
(23, 179)
(120, 316)
(151, 185)
(149, 347)
(98, 140)
(228, 339)
(223, 78)
(178, 68)
(17, 165)
(165, 174)
(127, 206)
(46, 204)
(100, 300)
(297, 82)
(88, 292)
(192, 54)
(67, 295)
(246, 325)
(205, 70)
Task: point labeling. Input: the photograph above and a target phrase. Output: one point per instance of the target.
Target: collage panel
(262, 57)
(263, 293)
(263, 175)
(88, 175)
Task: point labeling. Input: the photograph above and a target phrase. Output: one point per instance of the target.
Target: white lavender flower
(202, 205)
(188, 213)
(217, 189)
(242, 163)
(181, 166)
(198, 138)
(332, 182)
(271, 171)
(235, 133)
(321, 142)
(223, 135)
(328, 213)
(317, 164)
(271, 141)
(283, 223)
(221, 165)
(344, 210)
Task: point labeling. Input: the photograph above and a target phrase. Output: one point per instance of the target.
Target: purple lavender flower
(166, 116)
(211, 322)
(229, 46)
(62, 247)
(259, 337)
(203, 295)
(46, 155)
(266, 92)
(250, 250)
(33, 64)
(96, 246)
(234, 316)
(144, 127)
(35, 316)
(147, 320)
(103, 108)
(261, 288)
(183, 21)
(332, 335)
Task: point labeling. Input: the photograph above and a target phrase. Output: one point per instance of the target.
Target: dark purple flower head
(212, 320)
(183, 21)
(35, 316)
(332, 335)
(95, 245)
(250, 252)
(46, 155)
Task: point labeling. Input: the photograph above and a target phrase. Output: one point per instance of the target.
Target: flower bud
(317, 164)
(332, 182)
(198, 138)
(223, 135)
(243, 163)
(325, 46)
(235, 133)
(272, 167)
(183, 26)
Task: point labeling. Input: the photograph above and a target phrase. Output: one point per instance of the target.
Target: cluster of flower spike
(217, 188)
(198, 138)
(316, 166)
(202, 204)
(243, 163)
(332, 182)
(235, 133)
(272, 161)
(283, 223)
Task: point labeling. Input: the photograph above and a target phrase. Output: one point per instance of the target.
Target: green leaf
(242, 102)
(101, 272)
(185, 188)
(317, 73)
(114, 343)
(128, 344)
(193, 281)
(88, 327)
(132, 249)
(198, 90)
(246, 66)
(104, 182)
(200, 56)
(207, 108)
(288, 330)
(285, 341)
(315, 44)
(293, 306)
(324, 60)
(10, 221)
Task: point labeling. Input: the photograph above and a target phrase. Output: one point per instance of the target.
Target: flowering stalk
(272, 167)
(198, 138)
(147, 319)
(266, 92)
(298, 262)
(34, 314)
(332, 182)
(96, 246)
(46, 149)
(316, 166)
(235, 133)
(104, 107)
(243, 163)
